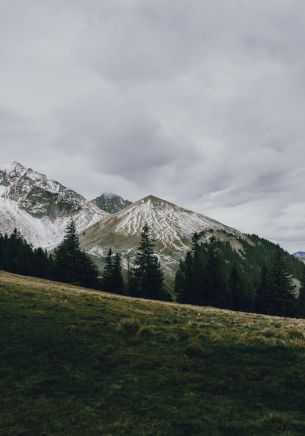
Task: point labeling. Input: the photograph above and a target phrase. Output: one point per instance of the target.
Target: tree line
(212, 274)
(70, 264)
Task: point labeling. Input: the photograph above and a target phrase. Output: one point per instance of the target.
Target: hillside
(74, 361)
(171, 226)
(41, 208)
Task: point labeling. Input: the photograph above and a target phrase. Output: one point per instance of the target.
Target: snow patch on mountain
(169, 223)
(172, 228)
(41, 208)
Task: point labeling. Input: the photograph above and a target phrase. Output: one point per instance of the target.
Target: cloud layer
(202, 103)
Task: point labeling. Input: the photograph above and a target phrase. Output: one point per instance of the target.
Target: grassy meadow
(81, 362)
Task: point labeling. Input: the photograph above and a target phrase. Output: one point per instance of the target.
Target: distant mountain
(41, 208)
(172, 227)
(111, 203)
(300, 255)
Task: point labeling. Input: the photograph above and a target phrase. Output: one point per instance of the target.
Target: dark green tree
(117, 277)
(107, 282)
(146, 275)
(216, 291)
(73, 265)
(237, 295)
(280, 289)
(263, 302)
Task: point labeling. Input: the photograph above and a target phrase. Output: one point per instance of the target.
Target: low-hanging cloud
(199, 102)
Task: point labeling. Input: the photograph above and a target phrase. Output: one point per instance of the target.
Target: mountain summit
(40, 208)
(171, 226)
(111, 203)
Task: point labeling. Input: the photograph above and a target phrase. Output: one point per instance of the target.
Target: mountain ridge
(40, 208)
(110, 202)
(172, 228)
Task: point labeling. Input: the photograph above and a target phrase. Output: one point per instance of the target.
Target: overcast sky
(199, 102)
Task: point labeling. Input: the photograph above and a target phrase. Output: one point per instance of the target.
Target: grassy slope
(71, 364)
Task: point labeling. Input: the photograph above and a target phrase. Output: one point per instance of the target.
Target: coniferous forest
(261, 278)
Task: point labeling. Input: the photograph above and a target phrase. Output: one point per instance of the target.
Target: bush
(145, 331)
(128, 325)
(194, 349)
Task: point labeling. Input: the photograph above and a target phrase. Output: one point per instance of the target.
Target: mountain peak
(153, 199)
(40, 208)
(111, 203)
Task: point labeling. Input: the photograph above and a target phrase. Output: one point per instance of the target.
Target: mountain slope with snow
(41, 208)
(171, 226)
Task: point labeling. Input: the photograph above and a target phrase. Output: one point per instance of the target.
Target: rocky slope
(172, 228)
(111, 203)
(41, 208)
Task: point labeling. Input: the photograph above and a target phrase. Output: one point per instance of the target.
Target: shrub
(172, 338)
(194, 349)
(145, 331)
(128, 325)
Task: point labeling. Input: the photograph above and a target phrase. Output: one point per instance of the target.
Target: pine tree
(117, 277)
(263, 303)
(236, 290)
(71, 264)
(197, 285)
(146, 276)
(282, 301)
(216, 292)
(107, 282)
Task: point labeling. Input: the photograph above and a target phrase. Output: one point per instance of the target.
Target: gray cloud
(199, 102)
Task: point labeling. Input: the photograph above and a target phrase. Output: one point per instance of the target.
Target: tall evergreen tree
(107, 282)
(71, 264)
(281, 296)
(216, 292)
(146, 276)
(263, 302)
(117, 277)
(236, 290)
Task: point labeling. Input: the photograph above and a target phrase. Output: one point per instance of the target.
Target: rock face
(171, 226)
(41, 208)
(111, 203)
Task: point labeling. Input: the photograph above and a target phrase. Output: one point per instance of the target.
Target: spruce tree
(216, 292)
(236, 290)
(146, 276)
(282, 300)
(117, 277)
(71, 264)
(107, 282)
(197, 285)
(263, 301)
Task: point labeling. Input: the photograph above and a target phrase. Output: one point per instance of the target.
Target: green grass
(76, 362)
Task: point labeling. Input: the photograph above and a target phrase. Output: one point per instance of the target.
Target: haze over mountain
(40, 208)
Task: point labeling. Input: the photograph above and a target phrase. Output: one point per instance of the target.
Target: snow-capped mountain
(41, 208)
(300, 255)
(111, 203)
(171, 226)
